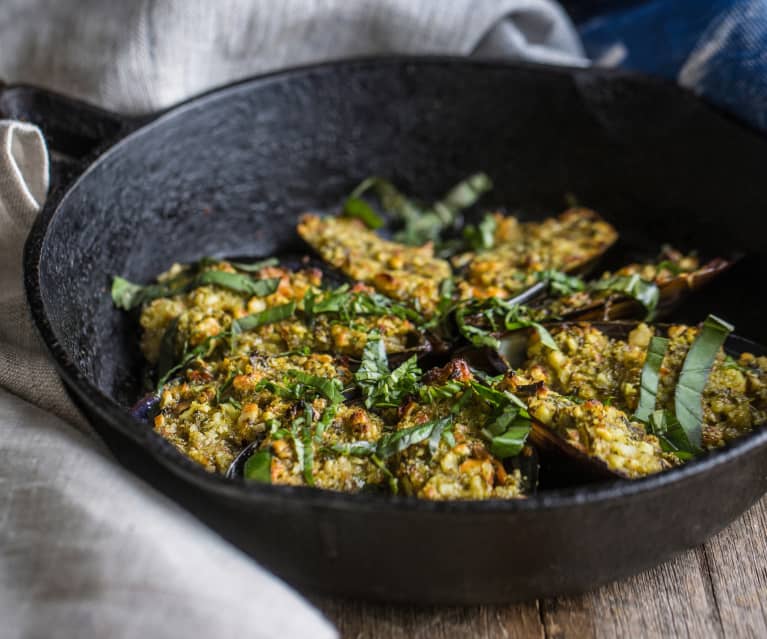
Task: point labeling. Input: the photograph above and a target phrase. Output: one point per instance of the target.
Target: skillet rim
(171, 459)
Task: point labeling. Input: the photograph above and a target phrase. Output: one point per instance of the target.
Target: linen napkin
(86, 549)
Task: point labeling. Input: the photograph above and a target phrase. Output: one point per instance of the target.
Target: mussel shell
(236, 469)
(146, 408)
(672, 293)
(562, 463)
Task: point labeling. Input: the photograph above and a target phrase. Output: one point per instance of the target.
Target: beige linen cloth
(86, 549)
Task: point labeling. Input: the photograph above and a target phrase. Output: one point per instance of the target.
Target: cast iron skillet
(228, 173)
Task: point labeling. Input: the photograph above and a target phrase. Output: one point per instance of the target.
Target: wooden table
(717, 590)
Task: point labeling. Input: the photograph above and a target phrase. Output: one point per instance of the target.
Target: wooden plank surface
(717, 590)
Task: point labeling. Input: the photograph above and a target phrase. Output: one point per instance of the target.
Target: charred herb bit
(381, 387)
(258, 467)
(650, 378)
(672, 437)
(688, 404)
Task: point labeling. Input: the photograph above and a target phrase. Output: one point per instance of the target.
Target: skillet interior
(228, 174)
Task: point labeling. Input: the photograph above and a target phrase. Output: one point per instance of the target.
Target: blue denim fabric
(717, 48)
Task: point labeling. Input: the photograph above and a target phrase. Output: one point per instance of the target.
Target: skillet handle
(73, 129)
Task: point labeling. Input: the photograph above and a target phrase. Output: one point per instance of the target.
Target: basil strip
(394, 443)
(560, 283)
(672, 437)
(381, 387)
(462, 196)
(358, 449)
(511, 442)
(633, 286)
(421, 224)
(688, 397)
(258, 467)
(268, 316)
(127, 295)
(482, 236)
(308, 444)
(167, 356)
(254, 267)
(650, 378)
(358, 208)
(328, 388)
(238, 283)
(499, 314)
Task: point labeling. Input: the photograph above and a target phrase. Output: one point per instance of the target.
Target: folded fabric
(715, 48)
(87, 550)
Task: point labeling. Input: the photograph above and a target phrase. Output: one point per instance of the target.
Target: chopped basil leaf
(258, 467)
(381, 387)
(167, 356)
(421, 225)
(238, 283)
(127, 295)
(358, 208)
(268, 316)
(393, 443)
(650, 377)
(481, 237)
(254, 267)
(672, 437)
(357, 449)
(500, 315)
(633, 286)
(688, 405)
(511, 442)
(308, 444)
(329, 388)
(560, 283)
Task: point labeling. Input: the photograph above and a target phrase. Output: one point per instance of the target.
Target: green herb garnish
(393, 443)
(688, 404)
(560, 283)
(381, 387)
(672, 436)
(127, 295)
(258, 467)
(481, 237)
(650, 378)
(633, 286)
(238, 283)
(499, 315)
(421, 224)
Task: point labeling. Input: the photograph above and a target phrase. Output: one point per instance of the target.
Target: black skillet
(229, 172)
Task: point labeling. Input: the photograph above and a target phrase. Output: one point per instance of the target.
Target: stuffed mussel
(433, 353)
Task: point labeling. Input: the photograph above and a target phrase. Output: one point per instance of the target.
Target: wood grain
(356, 620)
(717, 590)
